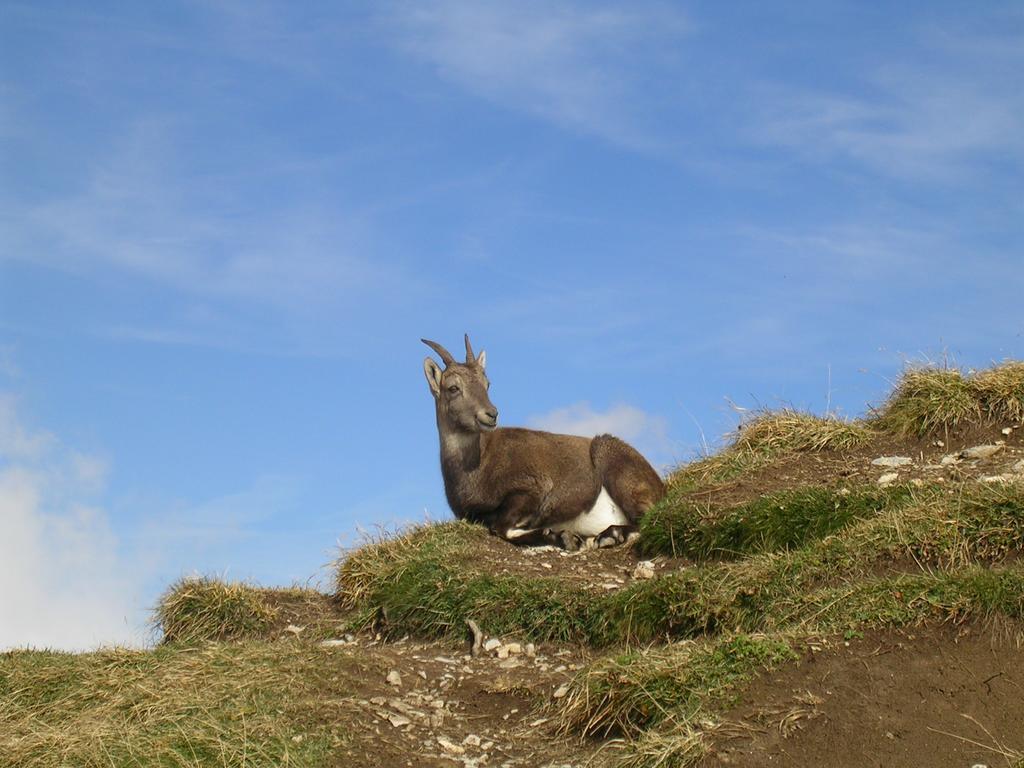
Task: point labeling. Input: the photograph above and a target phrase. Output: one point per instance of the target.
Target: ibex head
(460, 390)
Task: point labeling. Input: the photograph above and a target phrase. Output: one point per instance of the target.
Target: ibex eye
(453, 389)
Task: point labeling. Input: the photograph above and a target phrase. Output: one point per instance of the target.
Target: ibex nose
(488, 417)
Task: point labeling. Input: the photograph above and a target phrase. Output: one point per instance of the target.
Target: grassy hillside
(804, 544)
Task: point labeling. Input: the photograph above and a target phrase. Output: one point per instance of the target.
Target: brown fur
(511, 478)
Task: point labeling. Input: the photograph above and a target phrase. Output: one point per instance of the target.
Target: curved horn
(470, 357)
(446, 356)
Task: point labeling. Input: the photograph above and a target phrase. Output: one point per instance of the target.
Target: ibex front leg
(515, 519)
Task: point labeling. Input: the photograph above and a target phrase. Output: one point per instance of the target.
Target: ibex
(527, 486)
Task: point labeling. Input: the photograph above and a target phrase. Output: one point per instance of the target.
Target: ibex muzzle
(527, 486)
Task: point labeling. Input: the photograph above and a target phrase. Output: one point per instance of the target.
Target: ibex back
(527, 486)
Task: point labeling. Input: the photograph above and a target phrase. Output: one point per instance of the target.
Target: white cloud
(646, 432)
(16, 442)
(63, 581)
(573, 65)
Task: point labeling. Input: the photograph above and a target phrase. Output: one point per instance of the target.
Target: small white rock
(398, 720)
(888, 478)
(561, 691)
(950, 458)
(491, 644)
(472, 740)
(892, 461)
(981, 451)
(502, 651)
(644, 570)
(1007, 430)
(531, 649)
(514, 648)
(449, 747)
(294, 629)
(394, 678)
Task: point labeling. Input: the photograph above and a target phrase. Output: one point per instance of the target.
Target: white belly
(597, 519)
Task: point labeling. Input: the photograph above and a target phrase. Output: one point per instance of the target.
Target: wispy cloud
(576, 65)
(64, 582)
(137, 214)
(647, 432)
(935, 121)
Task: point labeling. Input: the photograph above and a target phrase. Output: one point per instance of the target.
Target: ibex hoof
(570, 542)
(615, 535)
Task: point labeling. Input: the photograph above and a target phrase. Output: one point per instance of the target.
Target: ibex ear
(481, 359)
(433, 374)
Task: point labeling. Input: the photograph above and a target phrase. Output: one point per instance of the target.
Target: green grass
(429, 591)
(681, 527)
(236, 705)
(628, 693)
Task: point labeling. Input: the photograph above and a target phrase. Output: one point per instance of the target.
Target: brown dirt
(942, 697)
(452, 709)
(597, 569)
(841, 468)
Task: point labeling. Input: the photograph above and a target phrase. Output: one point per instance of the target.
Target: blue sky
(225, 226)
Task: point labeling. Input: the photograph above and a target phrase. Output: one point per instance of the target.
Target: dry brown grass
(1001, 391)
(788, 431)
(196, 609)
(238, 705)
(935, 400)
(768, 436)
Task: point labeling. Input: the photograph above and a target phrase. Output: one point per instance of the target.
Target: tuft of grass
(1000, 390)
(196, 609)
(369, 568)
(932, 400)
(929, 400)
(630, 693)
(789, 431)
(783, 520)
(679, 747)
(174, 707)
(761, 440)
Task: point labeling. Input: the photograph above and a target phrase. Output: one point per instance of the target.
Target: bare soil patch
(829, 468)
(447, 708)
(945, 697)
